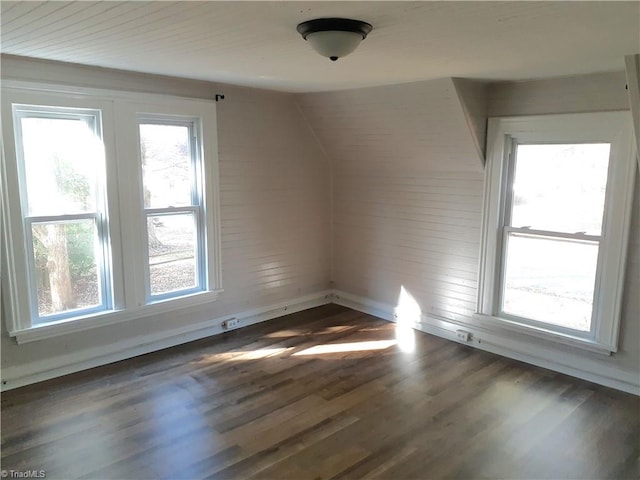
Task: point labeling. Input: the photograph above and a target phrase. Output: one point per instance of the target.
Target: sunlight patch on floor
(240, 356)
(408, 314)
(297, 333)
(347, 347)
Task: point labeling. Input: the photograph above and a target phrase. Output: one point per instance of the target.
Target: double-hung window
(109, 207)
(61, 179)
(173, 206)
(558, 196)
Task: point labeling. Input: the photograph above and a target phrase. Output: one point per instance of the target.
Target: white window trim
(611, 127)
(112, 317)
(118, 108)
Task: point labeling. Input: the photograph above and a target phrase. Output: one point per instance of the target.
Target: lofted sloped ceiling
(256, 44)
(417, 127)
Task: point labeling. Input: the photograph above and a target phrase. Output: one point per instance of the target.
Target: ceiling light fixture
(334, 37)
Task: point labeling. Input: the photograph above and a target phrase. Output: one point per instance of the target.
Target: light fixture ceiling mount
(334, 37)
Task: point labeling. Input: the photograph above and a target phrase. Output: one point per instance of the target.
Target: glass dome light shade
(334, 44)
(334, 37)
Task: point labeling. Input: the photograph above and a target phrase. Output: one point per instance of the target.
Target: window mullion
(130, 204)
(62, 218)
(171, 210)
(549, 233)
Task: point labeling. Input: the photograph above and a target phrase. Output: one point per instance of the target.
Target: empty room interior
(320, 240)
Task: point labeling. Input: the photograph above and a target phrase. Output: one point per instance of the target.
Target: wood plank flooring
(328, 393)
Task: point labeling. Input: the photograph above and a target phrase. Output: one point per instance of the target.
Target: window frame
(20, 111)
(196, 208)
(119, 124)
(508, 228)
(503, 134)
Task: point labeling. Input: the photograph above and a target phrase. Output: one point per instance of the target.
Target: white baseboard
(499, 343)
(556, 359)
(14, 377)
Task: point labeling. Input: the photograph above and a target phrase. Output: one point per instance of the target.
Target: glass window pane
(66, 273)
(550, 280)
(61, 158)
(166, 165)
(560, 187)
(172, 253)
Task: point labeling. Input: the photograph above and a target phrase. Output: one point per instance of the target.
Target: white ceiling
(256, 43)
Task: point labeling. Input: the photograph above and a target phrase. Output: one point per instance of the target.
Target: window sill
(492, 323)
(101, 319)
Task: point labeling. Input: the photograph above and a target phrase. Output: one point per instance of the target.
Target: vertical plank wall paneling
(407, 193)
(274, 195)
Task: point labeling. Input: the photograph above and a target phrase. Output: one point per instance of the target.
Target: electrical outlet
(231, 323)
(463, 335)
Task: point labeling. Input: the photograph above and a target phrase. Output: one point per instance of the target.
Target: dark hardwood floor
(326, 393)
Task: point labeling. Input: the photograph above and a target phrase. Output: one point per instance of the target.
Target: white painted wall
(632, 70)
(274, 194)
(407, 193)
(583, 93)
(405, 184)
(407, 207)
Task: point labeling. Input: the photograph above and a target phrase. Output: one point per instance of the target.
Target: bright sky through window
(560, 187)
(166, 165)
(556, 188)
(60, 159)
